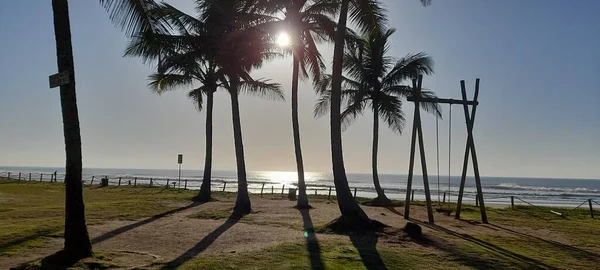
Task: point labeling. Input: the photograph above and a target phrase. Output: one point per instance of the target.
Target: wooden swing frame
(417, 133)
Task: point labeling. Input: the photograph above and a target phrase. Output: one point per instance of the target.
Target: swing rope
(437, 141)
(449, 147)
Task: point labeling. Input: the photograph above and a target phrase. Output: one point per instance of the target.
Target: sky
(538, 61)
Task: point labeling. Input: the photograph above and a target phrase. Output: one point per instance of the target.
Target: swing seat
(446, 212)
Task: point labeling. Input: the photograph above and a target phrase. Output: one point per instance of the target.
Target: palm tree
(77, 241)
(215, 37)
(368, 15)
(374, 81)
(233, 23)
(307, 23)
(179, 70)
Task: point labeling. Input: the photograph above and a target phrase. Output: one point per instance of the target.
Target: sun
(283, 39)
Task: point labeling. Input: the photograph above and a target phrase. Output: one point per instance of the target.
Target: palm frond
(390, 111)
(161, 82)
(196, 95)
(368, 15)
(409, 67)
(322, 104)
(262, 88)
(135, 16)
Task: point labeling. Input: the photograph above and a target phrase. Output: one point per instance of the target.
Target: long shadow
(24, 239)
(393, 210)
(487, 245)
(366, 244)
(202, 245)
(314, 249)
(129, 227)
(573, 251)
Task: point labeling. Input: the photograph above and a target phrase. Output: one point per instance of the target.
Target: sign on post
(180, 158)
(59, 79)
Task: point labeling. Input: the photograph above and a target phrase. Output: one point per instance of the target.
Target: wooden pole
(329, 195)
(422, 154)
(185, 184)
(411, 164)
(272, 189)
(151, 182)
(92, 182)
(168, 180)
(41, 176)
(591, 208)
(512, 202)
(224, 185)
(354, 193)
(477, 199)
(29, 176)
(135, 182)
(444, 200)
(412, 198)
(282, 188)
(467, 151)
(470, 141)
(119, 181)
(316, 192)
(261, 189)
(19, 176)
(8, 175)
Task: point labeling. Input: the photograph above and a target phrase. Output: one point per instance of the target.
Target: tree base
(382, 202)
(347, 226)
(201, 199)
(63, 259)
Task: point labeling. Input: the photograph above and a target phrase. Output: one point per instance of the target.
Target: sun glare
(283, 40)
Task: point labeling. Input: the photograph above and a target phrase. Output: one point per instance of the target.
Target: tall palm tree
(182, 70)
(234, 23)
(216, 35)
(368, 15)
(307, 23)
(77, 241)
(375, 81)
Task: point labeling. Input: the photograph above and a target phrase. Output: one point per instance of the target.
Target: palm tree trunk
(77, 240)
(242, 204)
(380, 195)
(349, 208)
(302, 197)
(204, 195)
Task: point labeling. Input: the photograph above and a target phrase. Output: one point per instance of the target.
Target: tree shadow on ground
(573, 251)
(202, 245)
(312, 244)
(132, 226)
(393, 210)
(21, 240)
(478, 262)
(366, 244)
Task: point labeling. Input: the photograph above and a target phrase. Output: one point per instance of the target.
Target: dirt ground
(175, 235)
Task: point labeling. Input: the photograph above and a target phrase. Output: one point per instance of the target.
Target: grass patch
(36, 211)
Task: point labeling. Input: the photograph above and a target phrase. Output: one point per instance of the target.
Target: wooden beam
(444, 101)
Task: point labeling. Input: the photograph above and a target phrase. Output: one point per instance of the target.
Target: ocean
(496, 190)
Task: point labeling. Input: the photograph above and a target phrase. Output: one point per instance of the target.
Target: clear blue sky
(539, 62)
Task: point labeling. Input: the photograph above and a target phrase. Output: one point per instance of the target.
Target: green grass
(33, 212)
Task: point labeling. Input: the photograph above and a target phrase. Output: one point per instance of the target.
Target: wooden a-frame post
(417, 130)
(417, 133)
(470, 120)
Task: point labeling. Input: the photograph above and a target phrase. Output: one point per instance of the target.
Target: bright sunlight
(283, 40)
